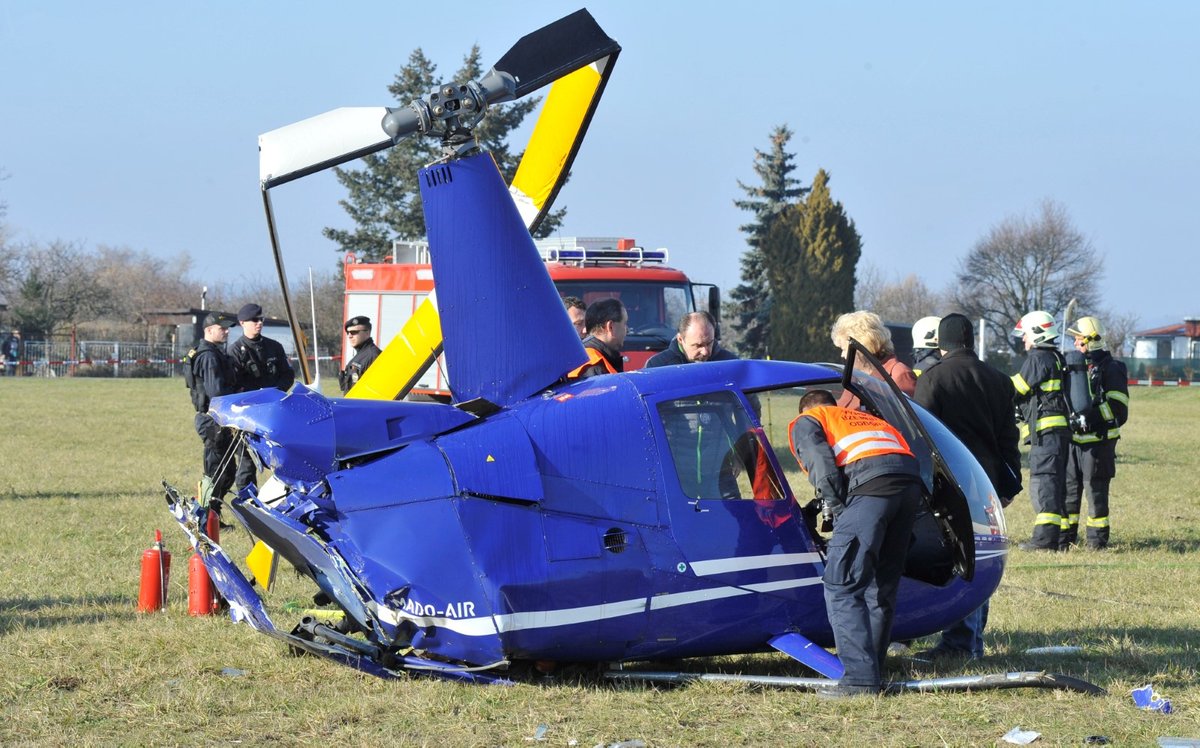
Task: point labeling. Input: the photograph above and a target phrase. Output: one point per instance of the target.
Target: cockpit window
(717, 450)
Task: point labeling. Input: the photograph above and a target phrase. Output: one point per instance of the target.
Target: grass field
(80, 499)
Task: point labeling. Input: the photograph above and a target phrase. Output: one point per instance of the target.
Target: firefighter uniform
(863, 469)
(923, 358)
(1099, 391)
(213, 375)
(1043, 408)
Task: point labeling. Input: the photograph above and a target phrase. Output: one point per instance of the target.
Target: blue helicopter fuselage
(571, 526)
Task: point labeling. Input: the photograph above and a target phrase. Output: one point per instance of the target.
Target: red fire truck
(591, 268)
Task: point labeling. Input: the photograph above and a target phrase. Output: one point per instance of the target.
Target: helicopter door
(947, 503)
(732, 516)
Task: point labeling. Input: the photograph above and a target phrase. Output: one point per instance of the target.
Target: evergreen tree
(384, 198)
(810, 254)
(752, 297)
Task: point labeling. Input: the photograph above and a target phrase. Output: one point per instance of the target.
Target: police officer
(1043, 409)
(868, 479)
(212, 375)
(925, 344)
(1098, 386)
(260, 362)
(974, 401)
(365, 352)
(607, 324)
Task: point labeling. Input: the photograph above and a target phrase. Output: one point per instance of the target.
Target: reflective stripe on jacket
(594, 357)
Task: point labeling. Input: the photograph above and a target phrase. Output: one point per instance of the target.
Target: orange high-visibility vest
(853, 435)
(594, 357)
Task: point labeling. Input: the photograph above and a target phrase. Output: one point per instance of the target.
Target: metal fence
(109, 358)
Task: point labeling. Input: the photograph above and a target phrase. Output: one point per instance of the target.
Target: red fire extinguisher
(202, 596)
(212, 526)
(156, 576)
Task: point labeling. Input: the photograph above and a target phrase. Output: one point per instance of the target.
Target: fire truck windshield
(654, 308)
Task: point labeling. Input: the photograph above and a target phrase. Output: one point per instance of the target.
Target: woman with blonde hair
(868, 329)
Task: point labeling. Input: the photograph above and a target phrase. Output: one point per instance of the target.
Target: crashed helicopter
(639, 516)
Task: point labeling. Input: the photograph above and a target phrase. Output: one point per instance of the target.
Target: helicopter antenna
(312, 300)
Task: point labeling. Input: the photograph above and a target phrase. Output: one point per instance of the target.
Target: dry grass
(79, 502)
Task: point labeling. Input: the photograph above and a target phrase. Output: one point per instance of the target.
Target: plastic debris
(1054, 651)
(1146, 698)
(1097, 740)
(539, 733)
(232, 672)
(635, 743)
(1017, 736)
(1166, 742)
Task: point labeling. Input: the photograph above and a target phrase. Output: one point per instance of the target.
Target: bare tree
(1118, 330)
(906, 300)
(51, 286)
(1025, 264)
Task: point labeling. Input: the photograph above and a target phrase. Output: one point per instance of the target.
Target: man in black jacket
(212, 375)
(696, 341)
(975, 401)
(260, 362)
(365, 352)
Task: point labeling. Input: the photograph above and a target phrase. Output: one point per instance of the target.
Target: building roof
(1189, 328)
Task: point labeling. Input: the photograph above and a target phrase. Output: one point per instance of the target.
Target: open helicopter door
(947, 503)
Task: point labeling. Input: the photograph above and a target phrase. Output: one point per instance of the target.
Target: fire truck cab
(590, 268)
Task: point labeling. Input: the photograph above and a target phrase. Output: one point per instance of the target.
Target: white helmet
(1040, 325)
(1091, 330)
(925, 332)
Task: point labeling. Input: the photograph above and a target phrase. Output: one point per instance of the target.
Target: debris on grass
(1017, 736)
(1054, 651)
(1147, 698)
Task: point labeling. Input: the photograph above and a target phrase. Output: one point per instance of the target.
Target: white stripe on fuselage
(539, 619)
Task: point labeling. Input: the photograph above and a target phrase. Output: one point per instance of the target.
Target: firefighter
(365, 352)
(869, 481)
(210, 374)
(260, 362)
(607, 324)
(925, 344)
(1042, 407)
(1098, 387)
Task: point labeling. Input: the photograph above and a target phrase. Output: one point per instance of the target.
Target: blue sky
(135, 124)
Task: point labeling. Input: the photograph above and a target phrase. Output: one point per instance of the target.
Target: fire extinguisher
(202, 596)
(156, 576)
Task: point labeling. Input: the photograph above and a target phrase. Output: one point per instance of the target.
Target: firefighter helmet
(1040, 325)
(925, 332)
(1091, 330)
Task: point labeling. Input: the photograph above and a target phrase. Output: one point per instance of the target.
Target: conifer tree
(384, 198)
(810, 254)
(752, 297)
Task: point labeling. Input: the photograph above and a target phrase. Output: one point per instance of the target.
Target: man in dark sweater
(696, 341)
(975, 401)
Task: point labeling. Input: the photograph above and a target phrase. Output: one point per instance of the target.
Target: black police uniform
(1043, 408)
(364, 356)
(874, 501)
(673, 354)
(260, 363)
(1102, 399)
(213, 375)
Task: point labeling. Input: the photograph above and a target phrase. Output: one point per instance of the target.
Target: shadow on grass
(50, 612)
(34, 495)
(1106, 656)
